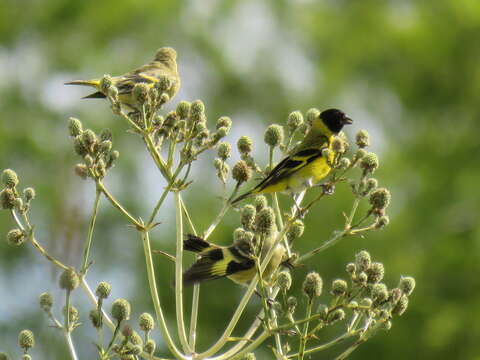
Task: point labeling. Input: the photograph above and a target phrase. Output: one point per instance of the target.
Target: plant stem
(326, 345)
(88, 243)
(71, 347)
(255, 344)
(222, 213)
(351, 349)
(304, 339)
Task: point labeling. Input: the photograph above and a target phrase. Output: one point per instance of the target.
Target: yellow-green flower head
(88, 138)
(241, 172)
(339, 287)
(171, 119)
(16, 237)
(75, 127)
(106, 83)
(26, 340)
(135, 338)
(244, 145)
(274, 135)
(363, 260)
(248, 214)
(336, 316)
(367, 302)
(338, 145)
(127, 331)
(312, 114)
(95, 318)
(150, 346)
(137, 350)
(146, 322)
(29, 194)
(362, 278)
(295, 230)
(294, 120)
(371, 185)
(284, 280)
(382, 222)
(220, 133)
(401, 306)
(183, 109)
(7, 198)
(379, 292)
(395, 295)
(380, 198)
(265, 221)
(292, 304)
(375, 273)
(386, 325)
(360, 154)
(248, 356)
(407, 285)
(260, 202)
(105, 135)
(369, 163)
(197, 109)
(46, 301)
(344, 163)
(81, 170)
(9, 178)
(350, 268)
(218, 163)
(322, 311)
(121, 310)
(312, 285)
(164, 83)
(224, 150)
(103, 290)
(69, 280)
(362, 139)
(79, 147)
(4, 356)
(225, 122)
(105, 146)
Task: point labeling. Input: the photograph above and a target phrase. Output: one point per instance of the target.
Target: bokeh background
(408, 71)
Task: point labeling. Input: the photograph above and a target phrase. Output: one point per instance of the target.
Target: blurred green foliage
(405, 70)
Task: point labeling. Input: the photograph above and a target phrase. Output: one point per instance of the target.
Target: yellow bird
(164, 64)
(234, 262)
(305, 166)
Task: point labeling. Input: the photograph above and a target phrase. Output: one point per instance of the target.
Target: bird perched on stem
(163, 65)
(306, 164)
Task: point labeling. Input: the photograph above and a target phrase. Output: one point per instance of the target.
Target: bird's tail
(196, 244)
(93, 83)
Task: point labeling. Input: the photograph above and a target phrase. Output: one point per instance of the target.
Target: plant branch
(88, 242)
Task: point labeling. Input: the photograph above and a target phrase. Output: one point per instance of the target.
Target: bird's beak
(347, 120)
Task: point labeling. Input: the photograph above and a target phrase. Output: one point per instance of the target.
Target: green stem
(304, 338)
(88, 243)
(255, 344)
(351, 349)
(280, 224)
(326, 345)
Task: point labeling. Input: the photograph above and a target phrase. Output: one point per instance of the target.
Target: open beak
(347, 120)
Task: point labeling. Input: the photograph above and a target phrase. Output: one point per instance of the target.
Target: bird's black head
(335, 119)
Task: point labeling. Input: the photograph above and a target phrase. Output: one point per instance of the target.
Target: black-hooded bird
(164, 64)
(305, 166)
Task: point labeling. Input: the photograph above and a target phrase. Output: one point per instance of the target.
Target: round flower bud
(4, 356)
(79, 147)
(366, 302)
(9, 178)
(362, 139)
(140, 93)
(103, 290)
(150, 346)
(380, 198)
(339, 287)
(7, 198)
(220, 133)
(379, 292)
(241, 172)
(375, 273)
(260, 202)
(401, 306)
(344, 163)
(362, 278)
(248, 356)
(312, 285)
(75, 127)
(363, 260)
(120, 310)
(46, 301)
(291, 304)
(164, 83)
(326, 153)
(106, 135)
(197, 109)
(395, 295)
(311, 115)
(26, 357)
(96, 318)
(359, 154)
(338, 145)
(407, 285)
(295, 230)
(274, 135)
(382, 222)
(350, 268)
(224, 150)
(106, 83)
(353, 304)
(135, 338)
(248, 216)
(146, 322)
(127, 331)
(284, 280)
(385, 325)
(244, 145)
(369, 163)
(105, 146)
(73, 314)
(336, 315)
(322, 311)
(88, 138)
(15, 237)
(26, 340)
(18, 204)
(371, 185)
(69, 280)
(88, 160)
(81, 170)
(183, 109)
(29, 194)
(225, 122)
(265, 221)
(137, 350)
(295, 119)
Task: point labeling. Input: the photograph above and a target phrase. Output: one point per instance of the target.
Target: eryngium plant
(291, 322)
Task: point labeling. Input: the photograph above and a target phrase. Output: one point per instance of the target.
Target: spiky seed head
(362, 139)
(146, 322)
(401, 306)
(69, 280)
(88, 138)
(127, 331)
(121, 310)
(16, 237)
(75, 127)
(274, 135)
(395, 295)
(106, 83)
(150, 346)
(312, 285)
(7, 198)
(265, 221)
(88, 160)
(407, 285)
(248, 213)
(369, 163)
(135, 338)
(284, 280)
(9, 178)
(245, 145)
(295, 230)
(79, 147)
(106, 135)
(362, 278)
(294, 120)
(371, 185)
(241, 172)
(336, 316)
(375, 272)
(322, 311)
(344, 163)
(380, 198)
(292, 304)
(141, 93)
(225, 122)
(224, 150)
(220, 134)
(311, 115)
(183, 109)
(366, 302)
(137, 350)
(339, 287)
(95, 318)
(103, 290)
(382, 221)
(363, 260)
(105, 146)
(26, 340)
(164, 83)
(197, 109)
(338, 145)
(385, 325)
(379, 292)
(350, 268)
(260, 202)
(46, 301)
(81, 170)
(217, 163)
(29, 194)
